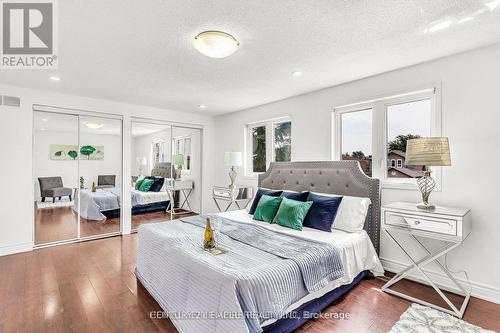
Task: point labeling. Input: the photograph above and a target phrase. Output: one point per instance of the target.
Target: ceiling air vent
(10, 101)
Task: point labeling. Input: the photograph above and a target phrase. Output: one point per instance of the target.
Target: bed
(106, 202)
(270, 277)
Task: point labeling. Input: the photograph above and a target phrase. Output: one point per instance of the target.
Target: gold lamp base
(425, 206)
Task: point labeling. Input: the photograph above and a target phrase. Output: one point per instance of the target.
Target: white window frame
(181, 139)
(152, 161)
(270, 144)
(399, 163)
(379, 132)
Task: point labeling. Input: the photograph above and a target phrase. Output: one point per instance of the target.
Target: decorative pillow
(267, 208)
(138, 183)
(146, 185)
(299, 196)
(322, 212)
(352, 212)
(259, 194)
(291, 213)
(157, 184)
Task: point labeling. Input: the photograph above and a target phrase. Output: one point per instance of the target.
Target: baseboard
(479, 290)
(16, 248)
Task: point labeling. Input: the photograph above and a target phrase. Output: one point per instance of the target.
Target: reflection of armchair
(52, 187)
(106, 181)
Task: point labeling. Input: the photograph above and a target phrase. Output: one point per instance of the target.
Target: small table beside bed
(269, 276)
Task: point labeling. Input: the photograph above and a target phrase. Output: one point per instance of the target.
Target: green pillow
(267, 208)
(146, 185)
(291, 213)
(138, 183)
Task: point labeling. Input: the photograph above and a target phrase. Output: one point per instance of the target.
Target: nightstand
(185, 187)
(447, 224)
(237, 195)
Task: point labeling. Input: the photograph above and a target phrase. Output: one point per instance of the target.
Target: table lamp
(232, 159)
(427, 152)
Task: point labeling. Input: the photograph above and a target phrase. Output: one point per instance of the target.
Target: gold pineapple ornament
(209, 242)
(93, 187)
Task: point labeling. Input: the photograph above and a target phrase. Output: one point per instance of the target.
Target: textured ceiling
(140, 51)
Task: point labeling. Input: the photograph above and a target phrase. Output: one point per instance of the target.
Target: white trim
(378, 107)
(16, 248)
(479, 290)
(269, 125)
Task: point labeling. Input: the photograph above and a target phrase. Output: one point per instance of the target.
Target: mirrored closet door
(100, 173)
(77, 175)
(166, 171)
(55, 170)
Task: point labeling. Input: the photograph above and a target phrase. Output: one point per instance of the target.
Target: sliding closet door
(186, 160)
(150, 156)
(55, 169)
(100, 174)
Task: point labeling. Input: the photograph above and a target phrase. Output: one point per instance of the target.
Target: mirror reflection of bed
(170, 155)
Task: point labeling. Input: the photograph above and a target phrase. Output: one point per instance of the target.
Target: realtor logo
(28, 35)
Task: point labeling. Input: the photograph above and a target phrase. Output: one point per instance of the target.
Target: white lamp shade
(141, 161)
(233, 158)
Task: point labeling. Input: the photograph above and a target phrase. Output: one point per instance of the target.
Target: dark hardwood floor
(61, 223)
(91, 287)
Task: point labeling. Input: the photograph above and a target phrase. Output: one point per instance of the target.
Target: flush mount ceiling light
(94, 125)
(55, 78)
(297, 73)
(202, 106)
(215, 44)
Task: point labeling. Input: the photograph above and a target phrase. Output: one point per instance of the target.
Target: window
(181, 145)
(375, 134)
(268, 141)
(158, 152)
(357, 138)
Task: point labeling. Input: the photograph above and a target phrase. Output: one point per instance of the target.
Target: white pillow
(352, 212)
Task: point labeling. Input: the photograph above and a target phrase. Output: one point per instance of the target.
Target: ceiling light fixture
(55, 78)
(202, 106)
(465, 19)
(297, 73)
(94, 125)
(43, 129)
(492, 5)
(215, 44)
(45, 120)
(439, 26)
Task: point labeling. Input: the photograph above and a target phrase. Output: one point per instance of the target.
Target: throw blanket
(259, 276)
(319, 263)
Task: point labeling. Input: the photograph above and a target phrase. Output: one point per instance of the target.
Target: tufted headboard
(334, 177)
(163, 169)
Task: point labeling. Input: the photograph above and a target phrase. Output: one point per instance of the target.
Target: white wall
(16, 132)
(68, 170)
(471, 118)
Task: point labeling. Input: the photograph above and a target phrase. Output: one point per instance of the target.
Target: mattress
(356, 251)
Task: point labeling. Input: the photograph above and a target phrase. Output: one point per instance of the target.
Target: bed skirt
(286, 325)
(141, 209)
(289, 324)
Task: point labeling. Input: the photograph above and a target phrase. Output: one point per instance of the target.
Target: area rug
(422, 319)
(64, 202)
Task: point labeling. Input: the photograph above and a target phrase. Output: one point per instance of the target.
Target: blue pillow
(260, 193)
(322, 212)
(298, 196)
